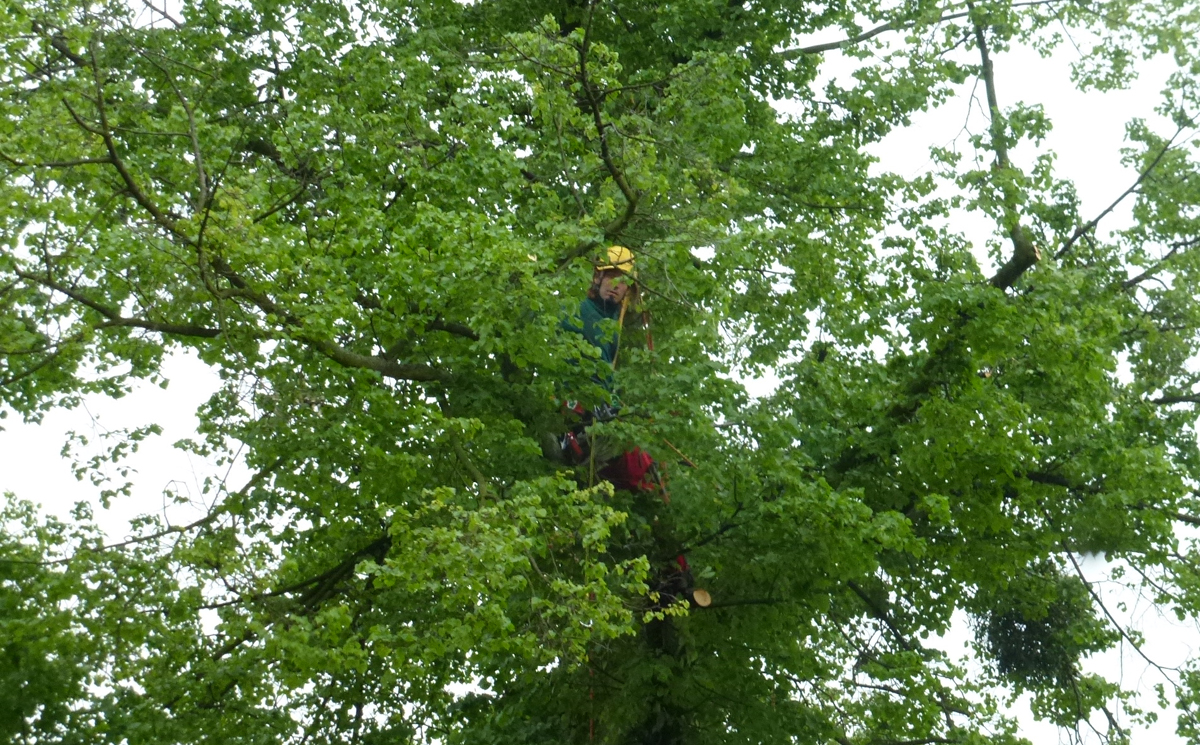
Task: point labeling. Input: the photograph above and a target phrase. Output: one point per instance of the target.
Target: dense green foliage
(369, 217)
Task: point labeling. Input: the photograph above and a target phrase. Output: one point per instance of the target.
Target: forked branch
(1025, 253)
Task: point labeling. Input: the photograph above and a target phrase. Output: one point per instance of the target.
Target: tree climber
(614, 288)
(600, 320)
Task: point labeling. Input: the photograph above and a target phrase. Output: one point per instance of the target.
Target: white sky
(1088, 135)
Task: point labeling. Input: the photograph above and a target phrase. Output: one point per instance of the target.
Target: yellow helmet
(621, 259)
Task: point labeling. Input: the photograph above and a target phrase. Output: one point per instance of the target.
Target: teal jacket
(589, 323)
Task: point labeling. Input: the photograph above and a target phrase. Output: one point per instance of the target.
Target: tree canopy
(370, 218)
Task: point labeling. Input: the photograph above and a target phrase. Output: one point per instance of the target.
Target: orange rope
(681, 455)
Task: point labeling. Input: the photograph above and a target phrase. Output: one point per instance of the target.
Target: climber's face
(613, 285)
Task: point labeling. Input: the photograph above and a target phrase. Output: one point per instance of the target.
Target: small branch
(105, 134)
(55, 163)
(596, 105)
(1050, 479)
(332, 350)
(282, 204)
(1188, 398)
(1091, 224)
(686, 459)
(790, 54)
(163, 12)
(726, 526)
(1120, 629)
(436, 324)
(171, 329)
(738, 603)
(212, 515)
(486, 490)
(115, 320)
(233, 644)
(193, 135)
(882, 614)
(452, 327)
(1158, 265)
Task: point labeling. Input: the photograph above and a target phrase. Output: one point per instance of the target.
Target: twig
(1083, 229)
(889, 26)
(1120, 629)
(1158, 265)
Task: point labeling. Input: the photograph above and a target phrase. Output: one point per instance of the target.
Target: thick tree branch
(383, 366)
(58, 43)
(881, 613)
(1182, 517)
(1178, 398)
(334, 351)
(1025, 253)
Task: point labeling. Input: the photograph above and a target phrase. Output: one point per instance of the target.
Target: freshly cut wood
(701, 598)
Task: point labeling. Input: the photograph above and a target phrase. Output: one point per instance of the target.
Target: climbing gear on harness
(575, 444)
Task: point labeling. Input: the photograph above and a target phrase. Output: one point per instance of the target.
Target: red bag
(631, 471)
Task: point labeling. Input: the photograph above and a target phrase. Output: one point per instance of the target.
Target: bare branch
(163, 12)
(1091, 224)
(1120, 629)
(889, 26)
